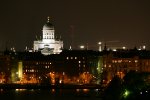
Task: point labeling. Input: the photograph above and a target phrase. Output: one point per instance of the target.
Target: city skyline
(78, 22)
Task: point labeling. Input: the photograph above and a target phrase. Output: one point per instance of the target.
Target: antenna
(72, 36)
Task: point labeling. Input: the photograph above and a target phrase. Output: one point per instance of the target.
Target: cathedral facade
(48, 44)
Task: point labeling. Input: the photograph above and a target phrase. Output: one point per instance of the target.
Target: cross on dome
(48, 25)
(48, 19)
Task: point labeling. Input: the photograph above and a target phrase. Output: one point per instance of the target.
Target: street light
(144, 47)
(124, 48)
(82, 47)
(100, 46)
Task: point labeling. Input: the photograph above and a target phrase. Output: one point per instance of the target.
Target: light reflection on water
(53, 94)
(83, 90)
(20, 90)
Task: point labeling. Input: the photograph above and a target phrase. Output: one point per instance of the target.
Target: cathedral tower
(48, 45)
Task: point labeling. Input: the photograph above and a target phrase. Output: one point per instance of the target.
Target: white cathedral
(48, 44)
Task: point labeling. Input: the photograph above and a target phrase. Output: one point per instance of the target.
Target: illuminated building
(5, 67)
(70, 66)
(20, 70)
(48, 44)
(122, 61)
(79, 66)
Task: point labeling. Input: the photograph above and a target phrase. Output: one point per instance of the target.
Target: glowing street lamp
(126, 93)
(100, 46)
(144, 47)
(124, 48)
(114, 49)
(82, 47)
(99, 43)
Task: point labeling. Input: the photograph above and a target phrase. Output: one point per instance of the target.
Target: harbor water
(52, 94)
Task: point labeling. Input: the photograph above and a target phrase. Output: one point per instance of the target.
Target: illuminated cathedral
(48, 44)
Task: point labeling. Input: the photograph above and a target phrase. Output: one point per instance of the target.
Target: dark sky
(90, 21)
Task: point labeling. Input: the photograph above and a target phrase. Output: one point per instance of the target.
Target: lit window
(109, 66)
(67, 58)
(147, 63)
(79, 65)
(71, 57)
(113, 61)
(32, 70)
(75, 57)
(119, 61)
(79, 62)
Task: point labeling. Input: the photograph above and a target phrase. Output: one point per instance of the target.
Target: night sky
(116, 22)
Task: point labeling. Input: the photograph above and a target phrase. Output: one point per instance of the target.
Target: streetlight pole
(100, 46)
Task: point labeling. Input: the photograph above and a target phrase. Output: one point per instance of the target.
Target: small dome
(48, 25)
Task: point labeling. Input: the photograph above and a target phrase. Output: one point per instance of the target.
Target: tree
(134, 80)
(114, 89)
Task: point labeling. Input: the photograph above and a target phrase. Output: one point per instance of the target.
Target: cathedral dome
(48, 25)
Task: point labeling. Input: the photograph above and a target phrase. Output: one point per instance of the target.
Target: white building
(48, 44)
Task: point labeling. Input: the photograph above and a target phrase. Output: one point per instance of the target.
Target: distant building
(5, 68)
(122, 61)
(48, 44)
(70, 66)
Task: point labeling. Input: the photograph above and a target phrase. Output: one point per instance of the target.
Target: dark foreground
(52, 94)
(73, 92)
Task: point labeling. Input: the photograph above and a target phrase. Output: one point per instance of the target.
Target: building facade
(48, 44)
(121, 62)
(70, 66)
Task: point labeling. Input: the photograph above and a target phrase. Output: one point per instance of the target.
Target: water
(53, 94)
